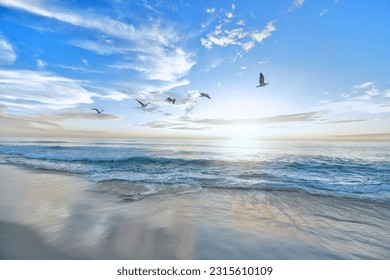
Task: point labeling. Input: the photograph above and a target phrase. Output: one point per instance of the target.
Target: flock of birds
(262, 83)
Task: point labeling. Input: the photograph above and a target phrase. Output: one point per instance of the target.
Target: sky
(326, 63)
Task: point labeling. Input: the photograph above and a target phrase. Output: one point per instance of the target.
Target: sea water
(146, 167)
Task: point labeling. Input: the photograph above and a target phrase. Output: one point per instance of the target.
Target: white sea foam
(355, 170)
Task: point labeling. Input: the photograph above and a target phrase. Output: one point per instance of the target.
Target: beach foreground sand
(49, 215)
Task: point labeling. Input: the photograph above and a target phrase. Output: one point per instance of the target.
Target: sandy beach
(50, 215)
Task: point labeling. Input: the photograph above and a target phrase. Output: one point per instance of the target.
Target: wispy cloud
(240, 22)
(210, 10)
(296, 5)
(235, 33)
(246, 39)
(299, 117)
(362, 137)
(264, 61)
(104, 24)
(203, 124)
(40, 63)
(25, 89)
(42, 90)
(22, 123)
(49, 124)
(363, 85)
(76, 68)
(265, 33)
(150, 45)
(7, 53)
(323, 12)
(79, 113)
(156, 64)
(365, 98)
(189, 102)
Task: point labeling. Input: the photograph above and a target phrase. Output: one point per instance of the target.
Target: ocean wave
(197, 166)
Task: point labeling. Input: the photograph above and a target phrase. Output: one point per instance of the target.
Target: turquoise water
(357, 170)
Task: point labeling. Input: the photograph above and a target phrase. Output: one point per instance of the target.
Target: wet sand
(49, 215)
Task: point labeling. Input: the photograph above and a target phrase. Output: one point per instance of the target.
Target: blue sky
(326, 62)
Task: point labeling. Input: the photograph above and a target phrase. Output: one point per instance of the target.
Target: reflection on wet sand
(57, 216)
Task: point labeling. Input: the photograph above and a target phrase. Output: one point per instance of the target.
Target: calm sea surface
(356, 170)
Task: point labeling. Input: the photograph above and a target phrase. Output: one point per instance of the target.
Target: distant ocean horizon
(358, 170)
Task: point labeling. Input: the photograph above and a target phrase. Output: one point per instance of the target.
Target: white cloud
(44, 90)
(264, 61)
(364, 98)
(157, 64)
(246, 39)
(265, 33)
(363, 85)
(247, 46)
(40, 63)
(113, 95)
(149, 43)
(85, 62)
(102, 49)
(163, 66)
(323, 12)
(201, 124)
(296, 5)
(241, 22)
(207, 43)
(189, 101)
(227, 37)
(7, 53)
(210, 10)
(106, 25)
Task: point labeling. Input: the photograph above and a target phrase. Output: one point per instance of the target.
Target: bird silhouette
(143, 104)
(261, 81)
(97, 110)
(202, 94)
(173, 100)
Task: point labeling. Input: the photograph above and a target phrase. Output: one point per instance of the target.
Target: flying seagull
(173, 100)
(202, 94)
(97, 110)
(142, 104)
(261, 81)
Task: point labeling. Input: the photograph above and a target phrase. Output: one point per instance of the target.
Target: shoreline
(54, 215)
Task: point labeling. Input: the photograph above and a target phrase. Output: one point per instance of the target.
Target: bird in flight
(202, 94)
(261, 81)
(97, 110)
(173, 100)
(142, 104)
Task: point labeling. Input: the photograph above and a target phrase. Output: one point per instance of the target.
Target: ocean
(150, 167)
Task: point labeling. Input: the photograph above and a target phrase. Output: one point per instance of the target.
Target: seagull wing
(261, 79)
(97, 111)
(142, 104)
(203, 94)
